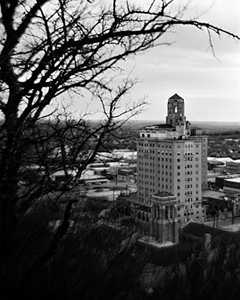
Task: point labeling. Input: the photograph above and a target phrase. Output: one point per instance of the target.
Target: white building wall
(173, 166)
(170, 160)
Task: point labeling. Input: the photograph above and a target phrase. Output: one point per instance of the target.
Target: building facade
(171, 160)
(233, 167)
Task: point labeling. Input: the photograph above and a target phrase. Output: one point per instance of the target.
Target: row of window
(160, 186)
(164, 178)
(167, 146)
(147, 150)
(164, 146)
(163, 154)
(149, 164)
(155, 172)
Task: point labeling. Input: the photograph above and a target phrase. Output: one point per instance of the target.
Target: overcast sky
(210, 85)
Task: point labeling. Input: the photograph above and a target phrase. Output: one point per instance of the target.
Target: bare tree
(50, 47)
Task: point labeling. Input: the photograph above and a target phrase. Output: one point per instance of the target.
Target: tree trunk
(9, 166)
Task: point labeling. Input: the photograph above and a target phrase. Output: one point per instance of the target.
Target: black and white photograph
(120, 149)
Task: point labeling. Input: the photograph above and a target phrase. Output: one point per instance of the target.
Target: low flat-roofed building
(211, 176)
(127, 175)
(214, 195)
(90, 178)
(217, 206)
(213, 164)
(87, 177)
(232, 190)
(220, 179)
(125, 154)
(233, 167)
(233, 183)
(223, 160)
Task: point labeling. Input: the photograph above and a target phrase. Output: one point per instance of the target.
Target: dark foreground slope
(97, 261)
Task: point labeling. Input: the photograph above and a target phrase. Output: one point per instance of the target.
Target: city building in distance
(172, 173)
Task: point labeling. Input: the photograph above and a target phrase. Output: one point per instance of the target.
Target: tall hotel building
(172, 170)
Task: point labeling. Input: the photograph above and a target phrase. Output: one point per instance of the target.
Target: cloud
(210, 85)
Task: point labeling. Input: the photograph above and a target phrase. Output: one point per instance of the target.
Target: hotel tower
(172, 172)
